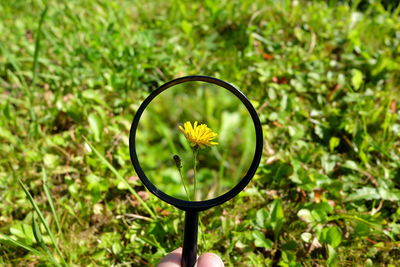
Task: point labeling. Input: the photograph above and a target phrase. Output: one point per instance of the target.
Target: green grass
(323, 76)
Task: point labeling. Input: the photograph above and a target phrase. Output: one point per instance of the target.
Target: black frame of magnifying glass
(195, 206)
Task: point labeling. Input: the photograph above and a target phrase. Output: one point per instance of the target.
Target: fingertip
(173, 259)
(209, 260)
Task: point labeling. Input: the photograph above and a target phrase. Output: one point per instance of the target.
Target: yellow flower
(198, 135)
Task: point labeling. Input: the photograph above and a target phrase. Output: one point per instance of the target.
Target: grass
(324, 77)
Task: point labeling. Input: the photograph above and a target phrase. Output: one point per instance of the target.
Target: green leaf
(305, 215)
(334, 236)
(7, 135)
(261, 216)
(328, 162)
(350, 165)
(362, 229)
(94, 95)
(332, 259)
(277, 217)
(333, 143)
(299, 34)
(23, 231)
(369, 263)
(261, 241)
(36, 231)
(277, 210)
(319, 131)
(186, 27)
(368, 193)
(96, 125)
(306, 237)
(389, 194)
(116, 247)
(51, 160)
(356, 78)
(319, 215)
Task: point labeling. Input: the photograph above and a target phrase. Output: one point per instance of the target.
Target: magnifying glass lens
(195, 141)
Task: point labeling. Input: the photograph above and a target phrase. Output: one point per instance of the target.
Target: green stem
(184, 184)
(195, 152)
(178, 164)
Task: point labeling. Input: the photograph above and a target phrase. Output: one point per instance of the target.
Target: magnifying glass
(195, 142)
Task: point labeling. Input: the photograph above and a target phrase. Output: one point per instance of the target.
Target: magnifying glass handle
(189, 253)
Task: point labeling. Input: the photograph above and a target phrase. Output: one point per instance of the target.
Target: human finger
(209, 260)
(173, 259)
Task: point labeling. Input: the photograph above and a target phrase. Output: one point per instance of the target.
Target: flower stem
(195, 152)
(184, 184)
(178, 163)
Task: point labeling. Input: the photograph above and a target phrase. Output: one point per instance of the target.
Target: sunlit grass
(323, 77)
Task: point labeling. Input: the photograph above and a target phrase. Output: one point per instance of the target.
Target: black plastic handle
(189, 253)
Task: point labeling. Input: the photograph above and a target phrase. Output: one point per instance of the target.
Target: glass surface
(167, 155)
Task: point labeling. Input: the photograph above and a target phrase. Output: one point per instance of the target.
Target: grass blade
(37, 46)
(122, 179)
(39, 239)
(5, 239)
(36, 231)
(50, 200)
(41, 217)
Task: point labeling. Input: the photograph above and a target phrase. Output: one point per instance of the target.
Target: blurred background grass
(324, 76)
